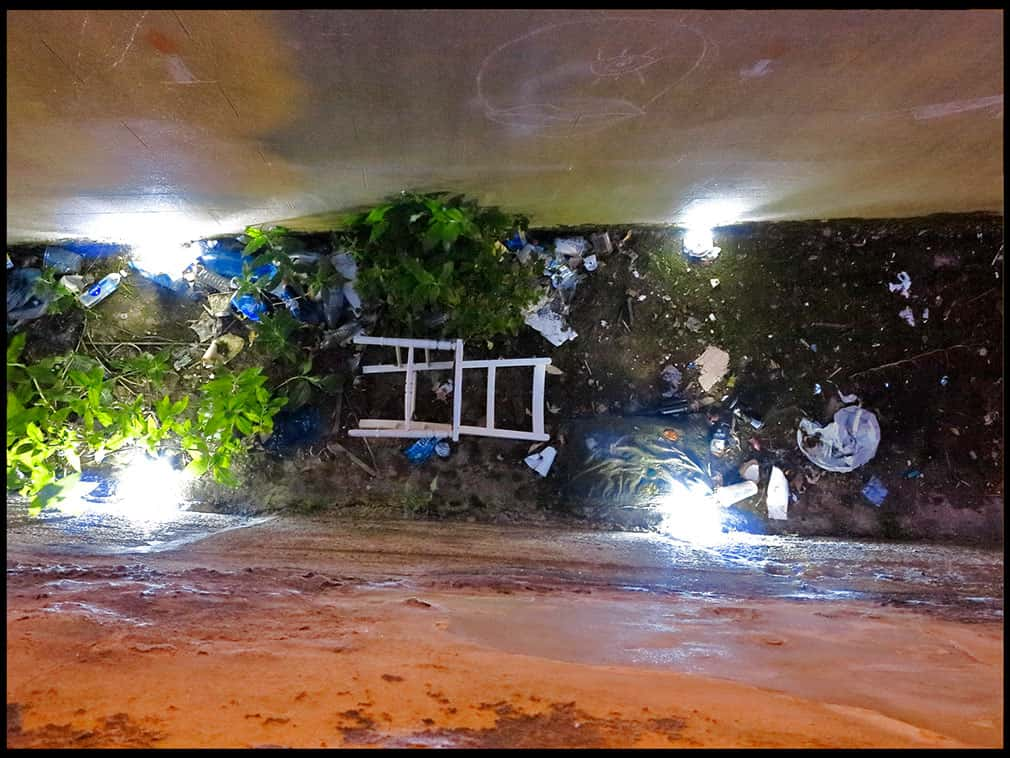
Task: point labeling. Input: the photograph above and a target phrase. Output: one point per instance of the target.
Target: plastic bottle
(212, 280)
(227, 263)
(62, 260)
(98, 292)
(777, 499)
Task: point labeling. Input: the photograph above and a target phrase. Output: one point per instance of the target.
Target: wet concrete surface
(422, 634)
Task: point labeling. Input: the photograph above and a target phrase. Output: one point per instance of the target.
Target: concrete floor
(176, 124)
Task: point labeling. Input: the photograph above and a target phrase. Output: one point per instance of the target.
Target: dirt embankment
(806, 313)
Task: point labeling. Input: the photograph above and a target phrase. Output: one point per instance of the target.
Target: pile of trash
(30, 293)
(572, 259)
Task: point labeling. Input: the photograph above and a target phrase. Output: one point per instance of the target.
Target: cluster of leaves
(427, 255)
(276, 337)
(234, 410)
(63, 411)
(60, 298)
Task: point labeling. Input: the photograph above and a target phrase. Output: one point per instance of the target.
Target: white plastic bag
(845, 444)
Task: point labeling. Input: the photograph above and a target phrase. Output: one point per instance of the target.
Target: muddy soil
(470, 636)
(803, 309)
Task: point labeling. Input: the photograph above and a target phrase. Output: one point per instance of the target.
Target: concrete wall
(186, 123)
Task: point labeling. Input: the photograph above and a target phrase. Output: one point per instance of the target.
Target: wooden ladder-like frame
(407, 427)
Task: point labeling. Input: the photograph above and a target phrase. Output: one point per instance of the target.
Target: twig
(334, 446)
(369, 449)
(830, 325)
(907, 360)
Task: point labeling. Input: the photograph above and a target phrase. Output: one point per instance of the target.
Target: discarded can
(98, 292)
(61, 260)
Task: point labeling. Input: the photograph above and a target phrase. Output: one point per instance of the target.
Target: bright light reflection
(698, 240)
(692, 513)
(148, 490)
(164, 257)
(702, 216)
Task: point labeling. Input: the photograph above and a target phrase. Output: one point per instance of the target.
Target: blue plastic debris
(178, 286)
(89, 249)
(224, 261)
(875, 491)
(912, 474)
(105, 485)
(63, 261)
(421, 450)
(293, 429)
(249, 306)
(26, 299)
(516, 242)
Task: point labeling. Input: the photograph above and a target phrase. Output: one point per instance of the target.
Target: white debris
(590, 263)
(444, 390)
(714, 283)
(845, 444)
(908, 316)
(541, 462)
(751, 471)
(777, 499)
(903, 284)
(734, 493)
(550, 324)
(571, 246)
(714, 363)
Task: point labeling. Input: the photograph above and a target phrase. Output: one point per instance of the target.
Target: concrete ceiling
(123, 124)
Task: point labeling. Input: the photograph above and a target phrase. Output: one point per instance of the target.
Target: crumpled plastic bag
(845, 444)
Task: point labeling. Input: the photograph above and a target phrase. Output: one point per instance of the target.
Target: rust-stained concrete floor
(158, 124)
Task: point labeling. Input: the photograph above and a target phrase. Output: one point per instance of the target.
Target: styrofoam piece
(541, 462)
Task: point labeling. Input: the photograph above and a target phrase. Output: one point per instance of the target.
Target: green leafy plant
(234, 410)
(300, 388)
(273, 238)
(60, 298)
(63, 411)
(423, 255)
(276, 337)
